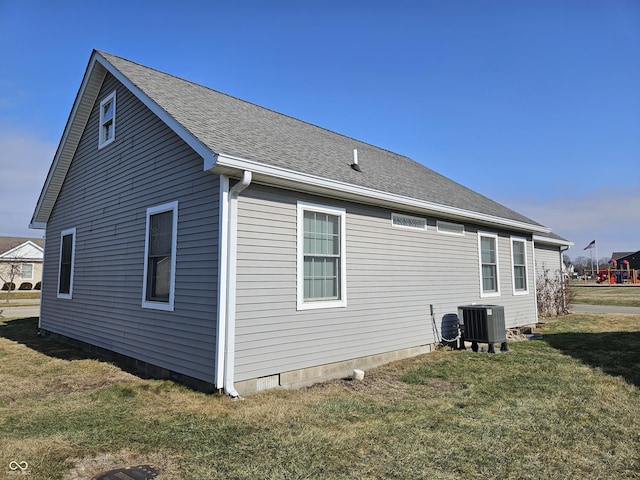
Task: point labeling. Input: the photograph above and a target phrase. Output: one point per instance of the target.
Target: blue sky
(533, 103)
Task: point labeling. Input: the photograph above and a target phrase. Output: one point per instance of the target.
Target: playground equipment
(618, 275)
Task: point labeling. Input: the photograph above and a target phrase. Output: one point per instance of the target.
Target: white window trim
(102, 142)
(64, 233)
(484, 294)
(342, 301)
(32, 270)
(421, 220)
(449, 232)
(156, 305)
(526, 267)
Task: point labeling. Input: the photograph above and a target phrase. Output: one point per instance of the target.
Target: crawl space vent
(264, 383)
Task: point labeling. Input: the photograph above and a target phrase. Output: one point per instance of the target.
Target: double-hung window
(321, 257)
(160, 257)
(67, 261)
(26, 271)
(107, 120)
(489, 280)
(519, 255)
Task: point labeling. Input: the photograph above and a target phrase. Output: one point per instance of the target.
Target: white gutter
(220, 163)
(228, 272)
(552, 241)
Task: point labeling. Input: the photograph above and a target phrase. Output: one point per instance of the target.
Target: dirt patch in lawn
(387, 385)
(91, 467)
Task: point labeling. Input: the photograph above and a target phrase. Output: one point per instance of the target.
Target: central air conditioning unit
(483, 324)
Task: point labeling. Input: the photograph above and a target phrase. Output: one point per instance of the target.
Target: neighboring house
(21, 263)
(632, 257)
(228, 246)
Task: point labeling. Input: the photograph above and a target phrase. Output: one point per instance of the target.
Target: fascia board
(171, 122)
(9, 253)
(552, 241)
(13, 251)
(29, 244)
(38, 225)
(226, 163)
(76, 124)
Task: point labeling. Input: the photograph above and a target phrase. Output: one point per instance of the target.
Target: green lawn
(16, 297)
(567, 406)
(592, 294)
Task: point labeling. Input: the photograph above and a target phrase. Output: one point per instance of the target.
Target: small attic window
(450, 228)
(407, 221)
(107, 120)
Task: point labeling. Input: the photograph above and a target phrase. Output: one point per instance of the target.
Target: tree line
(582, 264)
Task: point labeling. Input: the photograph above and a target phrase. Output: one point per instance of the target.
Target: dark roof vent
(355, 165)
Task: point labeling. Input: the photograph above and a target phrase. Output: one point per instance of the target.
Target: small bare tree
(10, 268)
(553, 293)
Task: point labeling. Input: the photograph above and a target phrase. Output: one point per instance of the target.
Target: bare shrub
(553, 293)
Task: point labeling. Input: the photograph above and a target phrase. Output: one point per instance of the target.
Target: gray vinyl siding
(105, 197)
(393, 275)
(548, 258)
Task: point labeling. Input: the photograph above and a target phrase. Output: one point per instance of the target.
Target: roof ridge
(219, 92)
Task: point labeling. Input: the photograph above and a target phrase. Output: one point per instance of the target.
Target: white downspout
(564, 292)
(231, 273)
(42, 280)
(535, 278)
(223, 250)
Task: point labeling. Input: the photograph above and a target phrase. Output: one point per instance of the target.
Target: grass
(16, 297)
(21, 294)
(567, 406)
(620, 295)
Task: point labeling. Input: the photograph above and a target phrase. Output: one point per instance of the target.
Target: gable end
(76, 124)
(93, 79)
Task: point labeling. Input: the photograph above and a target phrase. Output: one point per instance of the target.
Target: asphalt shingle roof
(229, 126)
(7, 243)
(619, 255)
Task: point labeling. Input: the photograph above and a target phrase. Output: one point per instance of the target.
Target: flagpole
(597, 266)
(591, 246)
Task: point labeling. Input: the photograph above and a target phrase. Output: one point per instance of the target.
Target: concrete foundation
(292, 379)
(132, 365)
(308, 376)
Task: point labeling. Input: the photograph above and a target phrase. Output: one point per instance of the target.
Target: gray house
(228, 246)
(549, 250)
